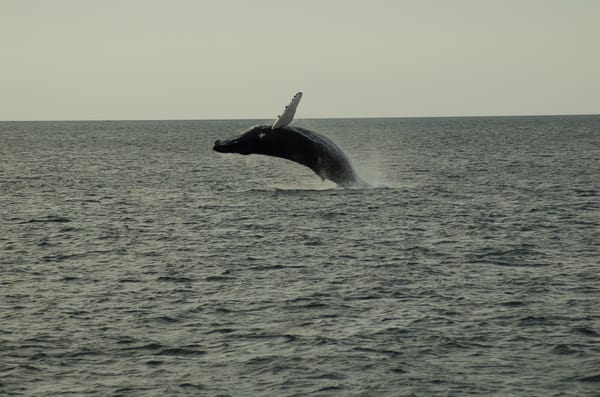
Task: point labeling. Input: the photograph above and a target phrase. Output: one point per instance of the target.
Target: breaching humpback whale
(300, 145)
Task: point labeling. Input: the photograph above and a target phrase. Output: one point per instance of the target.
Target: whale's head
(248, 142)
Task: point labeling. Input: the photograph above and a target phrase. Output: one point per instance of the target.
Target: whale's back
(330, 162)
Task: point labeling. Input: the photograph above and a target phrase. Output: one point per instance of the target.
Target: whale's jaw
(230, 146)
(217, 146)
(221, 146)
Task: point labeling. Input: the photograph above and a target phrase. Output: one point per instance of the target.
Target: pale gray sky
(212, 59)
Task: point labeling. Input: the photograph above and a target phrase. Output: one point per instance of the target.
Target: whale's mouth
(223, 146)
(230, 146)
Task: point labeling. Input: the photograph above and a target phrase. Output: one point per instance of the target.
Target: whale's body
(300, 145)
(303, 146)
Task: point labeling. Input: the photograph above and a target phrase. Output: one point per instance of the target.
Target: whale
(297, 144)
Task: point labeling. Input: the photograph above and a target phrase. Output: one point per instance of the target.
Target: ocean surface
(136, 261)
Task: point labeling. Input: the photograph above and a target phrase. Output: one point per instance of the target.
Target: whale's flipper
(288, 113)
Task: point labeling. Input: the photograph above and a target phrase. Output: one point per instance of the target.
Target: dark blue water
(136, 261)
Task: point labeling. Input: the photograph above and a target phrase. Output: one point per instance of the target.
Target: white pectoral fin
(288, 113)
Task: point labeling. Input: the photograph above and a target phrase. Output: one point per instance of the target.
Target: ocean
(135, 261)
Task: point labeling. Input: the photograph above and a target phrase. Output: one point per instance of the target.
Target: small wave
(154, 363)
(326, 186)
(513, 303)
(380, 185)
(130, 280)
(535, 321)
(68, 229)
(219, 278)
(62, 257)
(175, 279)
(148, 346)
(221, 331)
(564, 349)
(180, 351)
(329, 389)
(79, 255)
(192, 386)
(49, 219)
(592, 378)
(70, 278)
(166, 319)
(587, 331)
(267, 267)
(301, 187)
(586, 192)
(361, 184)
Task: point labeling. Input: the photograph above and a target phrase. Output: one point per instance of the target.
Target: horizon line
(307, 118)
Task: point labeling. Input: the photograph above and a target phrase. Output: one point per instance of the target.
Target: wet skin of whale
(300, 145)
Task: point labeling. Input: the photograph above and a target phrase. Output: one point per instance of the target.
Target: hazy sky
(205, 59)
